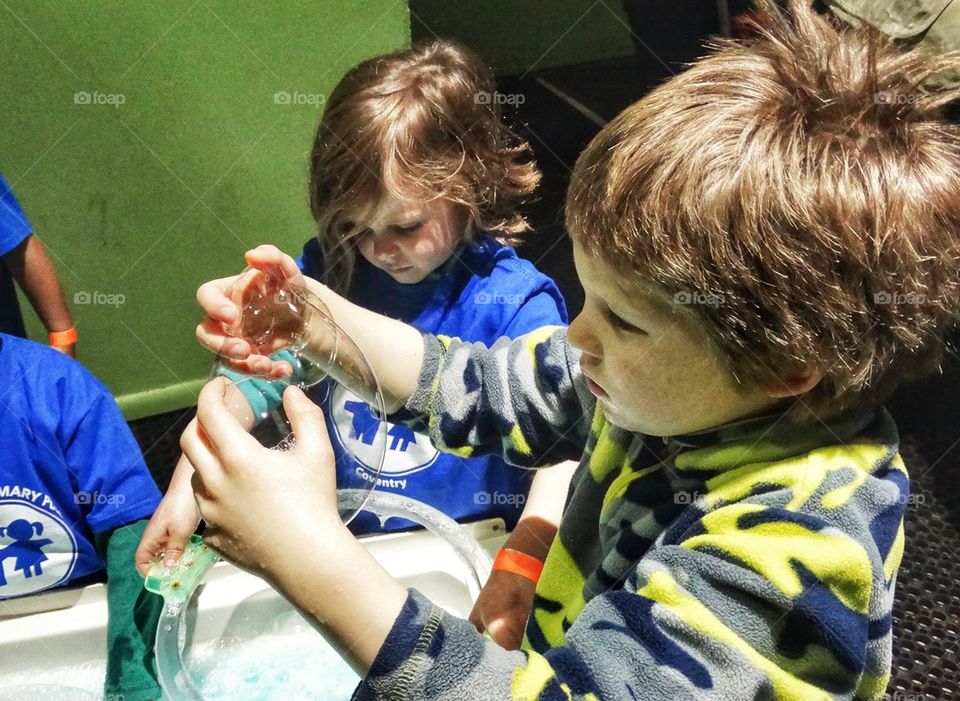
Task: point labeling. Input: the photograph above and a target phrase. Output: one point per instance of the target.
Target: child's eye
(621, 324)
(407, 228)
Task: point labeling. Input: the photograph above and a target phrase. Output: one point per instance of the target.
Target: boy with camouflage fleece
(767, 250)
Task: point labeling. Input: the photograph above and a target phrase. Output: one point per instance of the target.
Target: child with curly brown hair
(415, 182)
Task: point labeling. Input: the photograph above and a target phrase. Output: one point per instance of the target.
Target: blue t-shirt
(14, 228)
(483, 292)
(69, 468)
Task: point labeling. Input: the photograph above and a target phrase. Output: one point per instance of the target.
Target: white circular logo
(37, 550)
(357, 428)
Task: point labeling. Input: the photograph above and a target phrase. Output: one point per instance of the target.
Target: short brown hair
(805, 184)
(420, 122)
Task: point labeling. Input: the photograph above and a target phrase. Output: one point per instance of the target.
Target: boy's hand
(170, 527)
(258, 503)
(222, 313)
(503, 608)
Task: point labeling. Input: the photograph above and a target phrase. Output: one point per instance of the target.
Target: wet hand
(222, 301)
(171, 525)
(262, 506)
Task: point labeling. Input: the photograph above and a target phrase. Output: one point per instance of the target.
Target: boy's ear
(793, 384)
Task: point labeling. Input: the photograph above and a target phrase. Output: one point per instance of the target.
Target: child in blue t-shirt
(414, 186)
(73, 491)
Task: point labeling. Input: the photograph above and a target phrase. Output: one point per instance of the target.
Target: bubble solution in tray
(273, 667)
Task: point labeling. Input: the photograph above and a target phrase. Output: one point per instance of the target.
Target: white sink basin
(58, 639)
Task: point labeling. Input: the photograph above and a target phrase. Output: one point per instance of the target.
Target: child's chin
(634, 424)
(407, 277)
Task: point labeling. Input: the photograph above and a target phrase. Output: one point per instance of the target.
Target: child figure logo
(355, 427)
(37, 551)
(27, 551)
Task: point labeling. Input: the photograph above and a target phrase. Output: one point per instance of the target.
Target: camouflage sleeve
(753, 598)
(520, 398)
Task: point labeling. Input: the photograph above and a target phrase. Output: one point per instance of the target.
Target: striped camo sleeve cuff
(422, 397)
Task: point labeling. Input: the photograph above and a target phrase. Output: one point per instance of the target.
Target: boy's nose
(580, 337)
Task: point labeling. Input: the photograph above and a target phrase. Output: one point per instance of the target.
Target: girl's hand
(221, 300)
(503, 608)
(262, 506)
(170, 527)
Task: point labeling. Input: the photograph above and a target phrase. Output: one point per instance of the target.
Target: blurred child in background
(23, 260)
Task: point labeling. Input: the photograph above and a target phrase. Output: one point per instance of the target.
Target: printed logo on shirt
(356, 429)
(37, 549)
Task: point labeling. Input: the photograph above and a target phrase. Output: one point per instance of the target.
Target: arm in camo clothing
(777, 584)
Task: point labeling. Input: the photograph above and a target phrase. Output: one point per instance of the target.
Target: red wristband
(509, 560)
(64, 338)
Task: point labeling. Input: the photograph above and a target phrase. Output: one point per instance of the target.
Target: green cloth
(931, 23)
(132, 616)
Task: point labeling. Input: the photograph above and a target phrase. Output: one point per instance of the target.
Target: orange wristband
(509, 560)
(64, 338)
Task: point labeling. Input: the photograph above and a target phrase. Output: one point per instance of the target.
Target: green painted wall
(514, 37)
(151, 144)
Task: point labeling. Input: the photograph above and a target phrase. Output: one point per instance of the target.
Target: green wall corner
(151, 147)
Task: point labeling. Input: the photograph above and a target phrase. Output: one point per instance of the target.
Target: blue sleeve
(106, 460)
(544, 307)
(14, 227)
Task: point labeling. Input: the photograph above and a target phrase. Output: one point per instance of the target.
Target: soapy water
(81, 682)
(272, 667)
(290, 659)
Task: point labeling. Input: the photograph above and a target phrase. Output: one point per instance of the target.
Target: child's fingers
(476, 619)
(173, 552)
(199, 452)
(228, 439)
(213, 299)
(267, 256)
(203, 498)
(211, 336)
(150, 545)
(307, 422)
(504, 632)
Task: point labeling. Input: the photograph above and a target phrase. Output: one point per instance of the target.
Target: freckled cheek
(635, 378)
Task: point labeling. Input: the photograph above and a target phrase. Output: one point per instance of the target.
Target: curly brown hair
(419, 123)
(805, 184)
